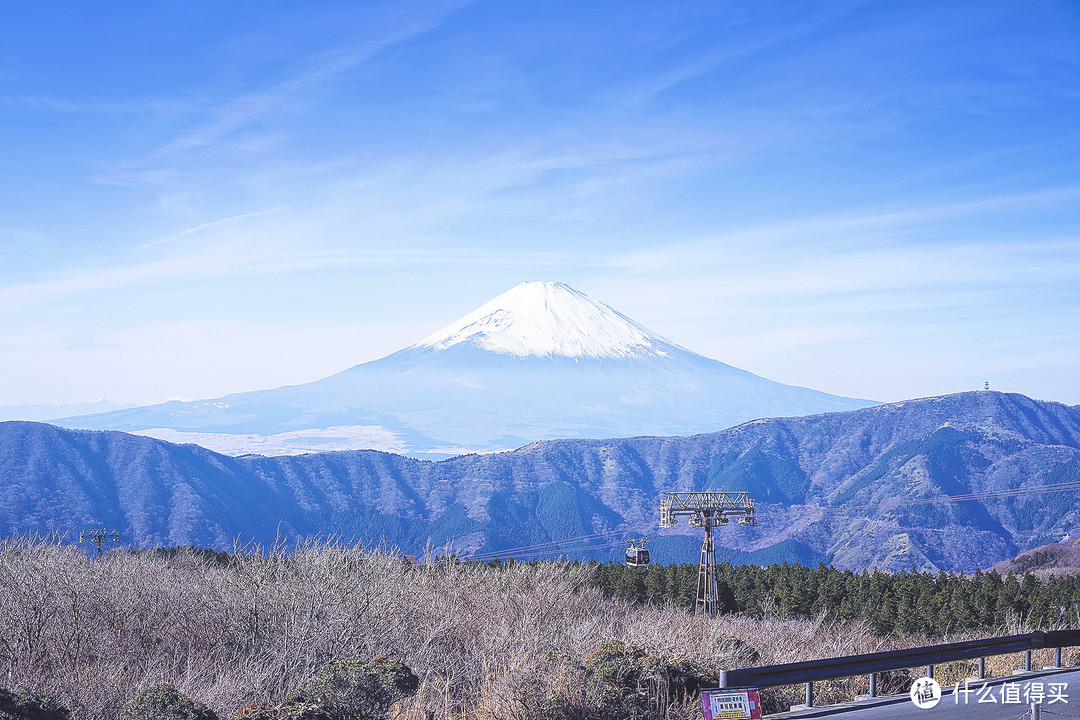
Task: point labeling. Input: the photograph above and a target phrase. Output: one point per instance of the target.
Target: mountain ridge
(827, 487)
(1060, 558)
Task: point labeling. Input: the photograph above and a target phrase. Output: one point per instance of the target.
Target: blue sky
(876, 199)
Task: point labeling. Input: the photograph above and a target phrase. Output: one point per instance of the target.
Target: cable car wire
(551, 542)
(963, 497)
(548, 545)
(557, 546)
(550, 551)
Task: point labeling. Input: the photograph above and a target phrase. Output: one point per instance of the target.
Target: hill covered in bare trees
(239, 634)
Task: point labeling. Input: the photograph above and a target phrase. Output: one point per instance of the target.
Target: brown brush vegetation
(244, 634)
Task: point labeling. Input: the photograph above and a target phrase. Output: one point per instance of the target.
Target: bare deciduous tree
(486, 643)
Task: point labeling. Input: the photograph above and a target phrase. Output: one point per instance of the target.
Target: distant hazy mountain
(48, 411)
(538, 362)
(849, 488)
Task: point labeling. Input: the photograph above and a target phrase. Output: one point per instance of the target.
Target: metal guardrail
(813, 670)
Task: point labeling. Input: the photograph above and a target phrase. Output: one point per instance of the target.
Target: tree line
(905, 602)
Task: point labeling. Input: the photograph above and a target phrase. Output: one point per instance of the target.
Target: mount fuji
(541, 361)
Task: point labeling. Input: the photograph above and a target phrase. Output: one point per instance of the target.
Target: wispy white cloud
(767, 244)
(614, 160)
(248, 262)
(212, 224)
(53, 105)
(205, 169)
(740, 44)
(245, 109)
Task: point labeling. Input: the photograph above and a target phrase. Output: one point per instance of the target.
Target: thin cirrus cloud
(830, 173)
(869, 278)
(816, 235)
(230, 261)
(213, 224)
(245, 109)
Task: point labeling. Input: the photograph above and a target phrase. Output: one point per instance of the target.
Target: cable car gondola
(636, 554)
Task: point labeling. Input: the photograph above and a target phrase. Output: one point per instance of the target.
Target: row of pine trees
(906, 602)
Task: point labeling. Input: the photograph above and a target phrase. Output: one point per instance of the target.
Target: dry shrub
(484, 643)
(344, 690)
(637, 684)
(1070, 657)
(30, 706)
(524, 689)
(164, 702)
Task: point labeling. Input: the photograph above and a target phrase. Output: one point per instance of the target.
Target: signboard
(730, 704)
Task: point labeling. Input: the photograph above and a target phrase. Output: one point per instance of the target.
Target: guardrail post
(873, 684)
(1036, 711)
(929, 671)
(982, 668)
(1027, 661)
(723, 678)
(1057, 657)
(809, 694)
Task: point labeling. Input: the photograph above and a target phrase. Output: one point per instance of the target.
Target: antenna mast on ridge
(707, 510)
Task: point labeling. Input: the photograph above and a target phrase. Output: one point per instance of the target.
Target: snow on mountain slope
(544, 319)
(539, 362)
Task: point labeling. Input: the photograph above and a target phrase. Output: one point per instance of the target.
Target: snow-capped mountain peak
(538, 362)
(550, 319)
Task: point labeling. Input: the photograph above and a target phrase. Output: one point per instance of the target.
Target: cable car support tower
(707, 510)
(99, 536)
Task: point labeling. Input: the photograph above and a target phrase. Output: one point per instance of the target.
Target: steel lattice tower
(707, 510)
(708, 594)
(99, 536)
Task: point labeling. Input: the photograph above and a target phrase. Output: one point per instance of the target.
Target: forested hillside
(861, 489)
(929, 603)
